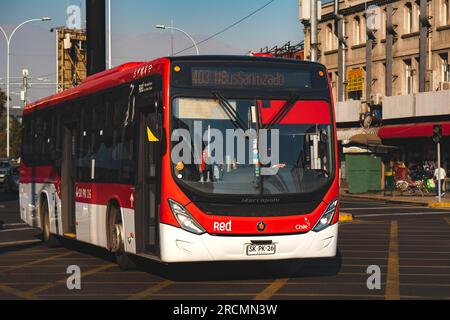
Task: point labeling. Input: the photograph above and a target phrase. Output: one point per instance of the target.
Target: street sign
(355, 79)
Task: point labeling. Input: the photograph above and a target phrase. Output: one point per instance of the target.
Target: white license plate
(260, 249)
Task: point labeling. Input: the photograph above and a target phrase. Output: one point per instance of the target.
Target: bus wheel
(123, 259)
(50, 240)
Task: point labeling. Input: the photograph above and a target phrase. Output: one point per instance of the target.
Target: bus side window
(123, 153)
(102, 145)
(26, 141)
(84, 153)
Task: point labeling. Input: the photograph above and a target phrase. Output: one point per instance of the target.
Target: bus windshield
(252, 146)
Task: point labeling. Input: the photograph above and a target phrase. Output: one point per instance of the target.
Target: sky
(134, 35)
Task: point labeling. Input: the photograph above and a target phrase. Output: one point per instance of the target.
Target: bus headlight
(184, 218)
(327, 216)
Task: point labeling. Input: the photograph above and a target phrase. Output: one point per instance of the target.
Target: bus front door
(148, 181)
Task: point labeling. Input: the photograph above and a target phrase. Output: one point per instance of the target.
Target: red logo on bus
(261, 226)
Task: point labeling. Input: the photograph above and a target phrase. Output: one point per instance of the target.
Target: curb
(424, 204)
(439, 205)
(345, 217)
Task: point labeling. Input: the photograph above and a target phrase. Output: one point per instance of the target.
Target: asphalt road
(409, 244)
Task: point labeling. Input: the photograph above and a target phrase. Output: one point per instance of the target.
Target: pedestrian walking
(439, 176)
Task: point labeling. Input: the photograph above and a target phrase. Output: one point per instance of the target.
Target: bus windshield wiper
(230, 112)
(284, 110)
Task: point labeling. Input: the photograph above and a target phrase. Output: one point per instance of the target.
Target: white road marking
(401, 214)
(7, 225)
(359, 202)
(18, 229)
(383, 208)
(12, 243)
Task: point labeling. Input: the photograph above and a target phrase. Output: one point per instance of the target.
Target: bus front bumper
(178, 245)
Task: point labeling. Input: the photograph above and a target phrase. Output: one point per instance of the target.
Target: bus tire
(117, 237)
(50, 240)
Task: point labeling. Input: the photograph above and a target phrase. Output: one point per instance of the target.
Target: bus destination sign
(250, 78)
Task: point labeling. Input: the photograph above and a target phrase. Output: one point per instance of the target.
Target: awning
(412, 130)
(348, 133)
(366, 139)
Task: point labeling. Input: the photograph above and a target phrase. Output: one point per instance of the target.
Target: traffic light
(437, 133)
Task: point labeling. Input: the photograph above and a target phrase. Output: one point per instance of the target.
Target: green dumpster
(363, 173)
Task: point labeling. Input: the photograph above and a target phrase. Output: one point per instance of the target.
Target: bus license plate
(260, 249)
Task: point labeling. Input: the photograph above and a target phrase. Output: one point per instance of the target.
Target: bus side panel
(129, 229)
(91, 223)
(30, 202)
(91, 210)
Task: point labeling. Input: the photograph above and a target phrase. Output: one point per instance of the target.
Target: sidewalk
(427, 200)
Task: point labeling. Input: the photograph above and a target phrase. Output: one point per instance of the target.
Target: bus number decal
(83, 193)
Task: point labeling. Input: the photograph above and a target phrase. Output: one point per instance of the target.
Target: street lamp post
(109, 36)
(8, 42)
(163, 26)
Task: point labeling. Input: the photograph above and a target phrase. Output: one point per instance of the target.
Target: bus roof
(135, 70)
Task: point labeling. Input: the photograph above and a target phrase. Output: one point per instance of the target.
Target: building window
(329, 37)
(383, 23)
(408, 18)
(445, 68)
(409, 76)
(444, 12)
(356, 31)
(363, 31)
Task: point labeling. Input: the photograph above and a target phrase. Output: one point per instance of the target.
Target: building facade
(389, 66)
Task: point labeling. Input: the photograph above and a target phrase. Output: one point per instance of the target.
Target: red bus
(119, 161)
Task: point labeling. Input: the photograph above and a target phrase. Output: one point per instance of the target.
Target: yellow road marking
(23, 265)
(150, 291)
(272, 289)
(393, 277)
(18, 293)
(345, 217)
(62, 281)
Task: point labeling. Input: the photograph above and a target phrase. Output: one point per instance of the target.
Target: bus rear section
(251, 170)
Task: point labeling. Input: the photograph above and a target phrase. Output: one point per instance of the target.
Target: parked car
(4, 168)
(12, 179)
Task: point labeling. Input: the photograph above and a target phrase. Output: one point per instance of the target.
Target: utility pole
(313, 35)
(8, 64)
(24, 92)
(96, 36)
(109, 36)
(437, 138)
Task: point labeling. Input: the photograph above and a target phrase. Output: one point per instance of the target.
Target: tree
(2, 103)
(15, 134)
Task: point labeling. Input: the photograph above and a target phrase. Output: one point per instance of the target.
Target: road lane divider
(17, 229)
(15, 243)
(400, 214)
(150, 291)
(18, 293)
(272, 289)
(63, 281)
(393, 270)
(38, 261)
